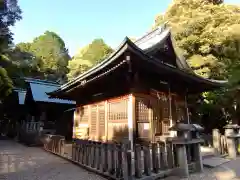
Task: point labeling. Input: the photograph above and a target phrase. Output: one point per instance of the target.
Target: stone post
(232, 136)
(216, 141)
(231, 146)
(182, 160)
(198, 157)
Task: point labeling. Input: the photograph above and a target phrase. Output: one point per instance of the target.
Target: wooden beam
(97, 123)
(89, 121)
(150, 117)
(106, 120)
(131, 119)
(134, 118)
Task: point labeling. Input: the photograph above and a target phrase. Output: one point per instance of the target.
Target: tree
(9, 14)
(88, 56)
(207, 33)
(6, 84)
(77, 66)
(96, 51)
(52, 55)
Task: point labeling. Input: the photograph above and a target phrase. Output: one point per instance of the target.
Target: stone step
(214, 161)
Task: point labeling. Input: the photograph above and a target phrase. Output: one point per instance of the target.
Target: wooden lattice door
(160, 108)
(143, 119)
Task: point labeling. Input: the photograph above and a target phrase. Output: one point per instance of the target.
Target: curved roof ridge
(128, 44)
(179, 58)
(193, 75)
(158, 30)
(94, 68)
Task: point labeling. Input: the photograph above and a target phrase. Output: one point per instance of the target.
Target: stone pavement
(18, 162)
(226, 171)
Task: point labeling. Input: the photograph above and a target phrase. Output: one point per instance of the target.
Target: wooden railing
(31, 126)
(219, 142)
(54, 143)
(223, 145)
(117, 161)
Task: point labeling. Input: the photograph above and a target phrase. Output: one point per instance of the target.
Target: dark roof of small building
(40, 88)
(21, 93)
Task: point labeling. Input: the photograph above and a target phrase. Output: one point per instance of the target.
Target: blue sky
(78, 22)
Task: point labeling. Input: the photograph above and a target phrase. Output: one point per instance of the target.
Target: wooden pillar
(89, 121)
(106, 119)
(170, 110)
(74, 122)
(150, 117)
(131, 118)
(97, 124)
(186, 105)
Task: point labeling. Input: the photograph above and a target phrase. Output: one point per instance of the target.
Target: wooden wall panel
(84, 114)
(155, 109)
(105, 118)
(142, 109)
(180, 108)
(93, 125)
(118, 119)
(101, 120)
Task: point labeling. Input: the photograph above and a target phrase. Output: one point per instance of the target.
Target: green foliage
(88, 56)
(96, 51)
(45, 58)
(51, 55)
(207, 33)
(10, 13)
(6, 84)
(77, 66)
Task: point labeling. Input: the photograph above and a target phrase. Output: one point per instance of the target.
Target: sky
(78, 22)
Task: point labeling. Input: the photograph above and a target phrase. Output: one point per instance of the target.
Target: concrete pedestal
(231, 146)
(216, 141)
(182, 161)
(233, 136)
(198, 157)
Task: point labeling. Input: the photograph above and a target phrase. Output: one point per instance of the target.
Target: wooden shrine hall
(135, 94)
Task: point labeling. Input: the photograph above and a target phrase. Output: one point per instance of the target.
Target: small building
(15, 99)
(44, 113)
(135, 94)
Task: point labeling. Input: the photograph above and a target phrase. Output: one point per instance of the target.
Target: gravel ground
(222, 172)
(18, 162)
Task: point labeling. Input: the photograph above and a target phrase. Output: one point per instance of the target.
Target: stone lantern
(231, 129)
(233, 137)
(187, 140)
(183, 130)
(197, 130)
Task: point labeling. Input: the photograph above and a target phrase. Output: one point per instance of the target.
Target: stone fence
(227, 143)
(118, 161)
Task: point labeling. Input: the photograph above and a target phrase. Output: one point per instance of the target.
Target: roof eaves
(138, 50)
(19, 90)
(104, 63)
(102, 74)
(165, 35)
(39, 81)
